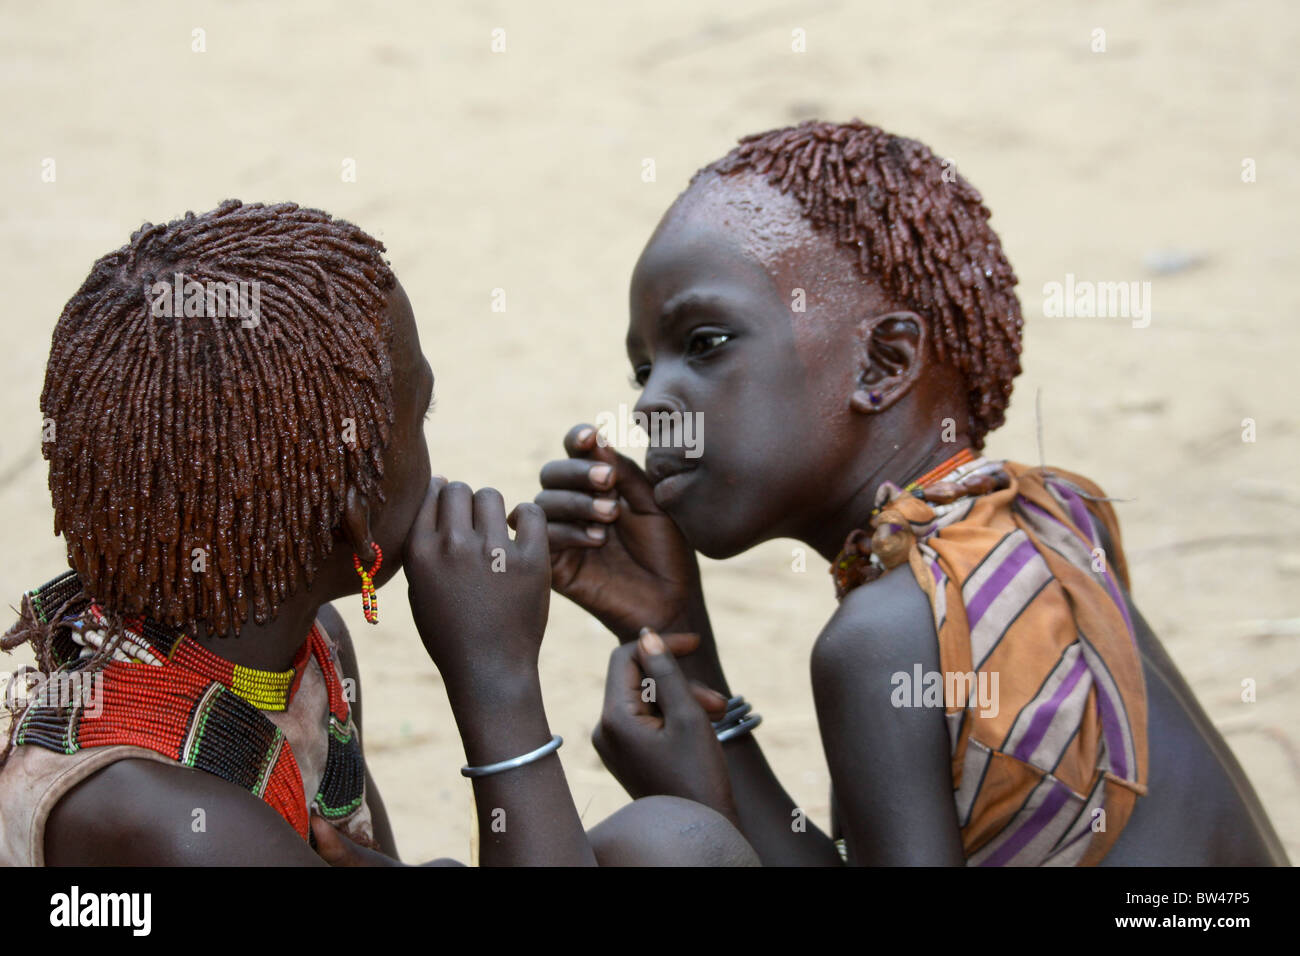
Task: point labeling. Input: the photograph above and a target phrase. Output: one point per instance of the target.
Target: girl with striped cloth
(831, 302)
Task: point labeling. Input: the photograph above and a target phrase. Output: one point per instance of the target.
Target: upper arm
(890, 765)
(139, 812)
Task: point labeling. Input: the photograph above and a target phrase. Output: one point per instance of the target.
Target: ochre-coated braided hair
(209, 442)
(918, 229)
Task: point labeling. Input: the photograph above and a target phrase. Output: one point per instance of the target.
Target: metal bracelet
(746, 725)
(733, 715)
(488, 769)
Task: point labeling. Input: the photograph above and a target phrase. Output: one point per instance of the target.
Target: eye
(701, 343)
(640, 375)
(433, 404)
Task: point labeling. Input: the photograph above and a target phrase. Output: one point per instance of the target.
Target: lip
(669, 475)
(672, 487)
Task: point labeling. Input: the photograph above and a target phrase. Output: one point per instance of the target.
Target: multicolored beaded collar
(165, 692)
(867, 555)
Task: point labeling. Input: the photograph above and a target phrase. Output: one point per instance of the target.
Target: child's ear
(891, 352)
(356, 524)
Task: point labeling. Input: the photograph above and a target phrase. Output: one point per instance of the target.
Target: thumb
(672, 692)
(338, 850)
(333, 847)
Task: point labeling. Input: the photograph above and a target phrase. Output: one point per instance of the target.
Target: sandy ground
(522, 171)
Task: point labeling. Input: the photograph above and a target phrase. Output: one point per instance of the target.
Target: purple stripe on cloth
(1031, 827)
(1112, 588)
(1110, 725)
(936, 571)
(998, 581)
(1078, 511)
(1047, 713)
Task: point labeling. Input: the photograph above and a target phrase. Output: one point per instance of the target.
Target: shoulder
(877, 627)
(141, 812)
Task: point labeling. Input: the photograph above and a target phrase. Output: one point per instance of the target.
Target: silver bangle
(746, 725)
(521, 761)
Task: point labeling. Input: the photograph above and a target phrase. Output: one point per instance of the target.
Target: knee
(670, 831)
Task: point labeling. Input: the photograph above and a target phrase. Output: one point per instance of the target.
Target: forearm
(526, 815)
(778, 830)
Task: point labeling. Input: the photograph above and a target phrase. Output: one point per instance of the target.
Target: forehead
(403, 338)
(743, 236)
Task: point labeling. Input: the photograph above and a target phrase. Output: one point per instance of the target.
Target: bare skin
(795, 449)
(482, 629)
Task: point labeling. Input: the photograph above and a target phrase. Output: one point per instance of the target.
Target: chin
(712, 532)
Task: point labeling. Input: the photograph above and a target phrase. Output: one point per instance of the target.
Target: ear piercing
(873, 396)
(369, 599)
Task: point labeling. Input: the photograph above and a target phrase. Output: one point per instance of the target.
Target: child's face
(743, 315)
(406, 460)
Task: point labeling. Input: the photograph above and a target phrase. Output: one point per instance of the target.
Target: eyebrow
(689, 301)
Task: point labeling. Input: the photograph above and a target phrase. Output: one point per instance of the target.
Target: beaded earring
(369, 599)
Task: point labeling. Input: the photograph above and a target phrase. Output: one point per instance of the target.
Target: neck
(903, 464)
(270, 646)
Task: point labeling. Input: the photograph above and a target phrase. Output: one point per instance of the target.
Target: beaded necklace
(163, 691)
(868, 555)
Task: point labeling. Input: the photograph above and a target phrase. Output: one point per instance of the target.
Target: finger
(578, 474)
(576, 506)
(624, 695)
(425, 523)
(714, 704)
(531, 532)
(490, 516)
(670, 691)
(455, 507)
(585, 442)
(563, 536)
(579, 440)
(629, 480)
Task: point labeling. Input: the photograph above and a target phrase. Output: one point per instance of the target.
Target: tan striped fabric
(1025, 606)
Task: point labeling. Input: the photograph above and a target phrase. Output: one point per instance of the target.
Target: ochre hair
(918, 229)
(188, 439)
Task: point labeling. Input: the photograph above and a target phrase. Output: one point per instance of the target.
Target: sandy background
(522, 170)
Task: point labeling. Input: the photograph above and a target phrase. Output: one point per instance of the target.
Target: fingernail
(600, 473)
(584, 435)
(604, 506)
(651, 643)
(596, 532)
(441, 477)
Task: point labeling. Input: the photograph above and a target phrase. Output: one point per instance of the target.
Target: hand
(614, 553)
(479, 599)
(655, 733)
(337, 850)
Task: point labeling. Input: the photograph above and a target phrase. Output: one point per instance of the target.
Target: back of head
(917, 228)
(201, 454)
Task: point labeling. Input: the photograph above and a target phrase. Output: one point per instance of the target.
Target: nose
(656, 395)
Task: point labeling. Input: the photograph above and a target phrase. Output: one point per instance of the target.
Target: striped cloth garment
(1025, 601)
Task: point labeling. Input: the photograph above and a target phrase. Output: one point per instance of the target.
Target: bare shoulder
(144, 813)
(878, 625)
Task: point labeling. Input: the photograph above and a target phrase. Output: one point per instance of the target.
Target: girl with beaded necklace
(221, 467)
(831, 301)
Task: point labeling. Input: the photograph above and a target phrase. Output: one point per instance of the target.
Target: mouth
(669, 476)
